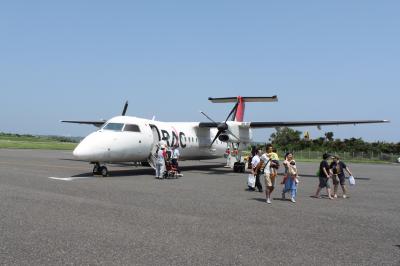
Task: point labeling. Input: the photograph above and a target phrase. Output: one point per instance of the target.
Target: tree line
(29, 136)
(290, 140)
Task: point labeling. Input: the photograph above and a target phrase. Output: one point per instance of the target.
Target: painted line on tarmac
(38, 165)
(70, 178)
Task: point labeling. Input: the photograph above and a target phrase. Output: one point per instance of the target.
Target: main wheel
(104, 171)
(243, 168)
(236, 167)
(96, 169)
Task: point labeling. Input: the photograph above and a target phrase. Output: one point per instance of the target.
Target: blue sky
(82, 59)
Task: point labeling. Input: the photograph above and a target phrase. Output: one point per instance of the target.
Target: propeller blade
(233, 110)
(209, 118)
(125, 108)
(216, 137)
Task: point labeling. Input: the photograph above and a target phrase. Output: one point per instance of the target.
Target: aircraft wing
(296, 123)
(310, 123)
(94, 123)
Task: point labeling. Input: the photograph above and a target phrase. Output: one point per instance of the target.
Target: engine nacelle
(223, 138)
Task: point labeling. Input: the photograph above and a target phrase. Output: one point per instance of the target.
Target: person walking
(273, 155)
(338, 168)
(291, 177)
(160, 162)
(255, 169)
(324, 174)
(269, 178)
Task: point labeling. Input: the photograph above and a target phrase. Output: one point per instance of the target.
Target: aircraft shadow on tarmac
(72, 160)
(216, 169)
(211, 169)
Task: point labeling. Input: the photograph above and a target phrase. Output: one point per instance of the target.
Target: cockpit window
(114, 126)
(131, 128)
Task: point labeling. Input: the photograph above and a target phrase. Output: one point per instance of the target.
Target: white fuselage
(131, 139)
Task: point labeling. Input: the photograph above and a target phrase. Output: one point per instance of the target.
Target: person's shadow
(280, 199)
(259, 199)
(263, 199)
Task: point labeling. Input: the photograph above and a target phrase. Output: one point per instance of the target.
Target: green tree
(329, 136)
(286, 138)
(289, 139)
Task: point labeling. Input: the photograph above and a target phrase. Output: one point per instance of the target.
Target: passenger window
(132, 128)
(114, 126)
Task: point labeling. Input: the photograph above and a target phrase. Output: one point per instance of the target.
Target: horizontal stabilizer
(245, 99)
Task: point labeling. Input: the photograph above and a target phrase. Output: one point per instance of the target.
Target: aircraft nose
(89, 149)
(81, 151)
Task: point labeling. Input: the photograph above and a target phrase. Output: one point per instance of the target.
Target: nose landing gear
(100, 170)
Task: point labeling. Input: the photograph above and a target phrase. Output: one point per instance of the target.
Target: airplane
(125, 138)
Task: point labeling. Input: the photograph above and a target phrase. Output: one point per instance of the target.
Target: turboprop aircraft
(131, 139)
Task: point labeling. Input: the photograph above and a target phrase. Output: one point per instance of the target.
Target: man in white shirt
(175, 157)
(269, 179)
(255, 169)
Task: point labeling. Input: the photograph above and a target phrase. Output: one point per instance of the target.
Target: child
(274, 161)
(292, 169)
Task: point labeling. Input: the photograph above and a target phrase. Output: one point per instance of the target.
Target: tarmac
(54, 212)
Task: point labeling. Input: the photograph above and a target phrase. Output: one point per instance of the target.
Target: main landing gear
(239, 167)
(100, 170)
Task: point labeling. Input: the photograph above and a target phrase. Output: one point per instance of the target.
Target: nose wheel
(100, 170)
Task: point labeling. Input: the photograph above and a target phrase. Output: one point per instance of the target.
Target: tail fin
(240, 101)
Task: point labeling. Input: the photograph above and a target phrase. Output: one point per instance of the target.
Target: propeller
(222, 127)
(125, 108)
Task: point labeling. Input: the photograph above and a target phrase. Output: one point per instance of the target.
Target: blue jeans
(290, 185)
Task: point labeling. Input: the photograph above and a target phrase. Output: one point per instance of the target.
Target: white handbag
(352, 181)
(251, 181)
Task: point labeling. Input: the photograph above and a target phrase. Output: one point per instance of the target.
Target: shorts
(336, 179)
(324, 182)
(269, 180)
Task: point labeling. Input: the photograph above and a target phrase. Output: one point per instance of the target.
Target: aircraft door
(156, 140)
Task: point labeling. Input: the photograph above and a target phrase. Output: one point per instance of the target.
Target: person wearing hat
(338, 168)
(324, 174)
